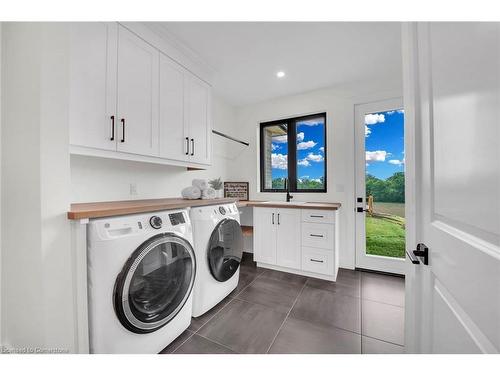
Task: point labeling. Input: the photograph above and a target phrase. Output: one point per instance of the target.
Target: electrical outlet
(133, 189)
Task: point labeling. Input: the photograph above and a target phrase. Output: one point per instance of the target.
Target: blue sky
(384, 143)
(310, 151)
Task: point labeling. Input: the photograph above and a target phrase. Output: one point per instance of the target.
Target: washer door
(225, 249)
(154, 283)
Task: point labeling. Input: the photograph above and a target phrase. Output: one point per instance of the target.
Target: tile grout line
(182, 343)
(232, 298)
(286, 317)
(387, 342)
(218, 343)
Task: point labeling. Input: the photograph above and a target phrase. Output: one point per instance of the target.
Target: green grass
(385, 236)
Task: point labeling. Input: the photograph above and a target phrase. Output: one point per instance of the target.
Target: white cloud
(305, 177)
(322, 149)
(300, 137)
(400, 111)
(306, 145)
(376, 156)
(304, 163)
(315, 157)
(396, 162)
(374, 118)
(279, 161)
(390, 112)
(367, 131)
(313, 122)
(316, 179)
(274, 147)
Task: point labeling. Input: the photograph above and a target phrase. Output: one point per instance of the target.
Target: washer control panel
(156, 222)
(176, 218)
(222, 210)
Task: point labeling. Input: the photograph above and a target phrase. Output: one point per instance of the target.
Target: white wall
(37, 296)
(97, 179)
(338, 103)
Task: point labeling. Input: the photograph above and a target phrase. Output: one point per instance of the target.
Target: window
(293, 148)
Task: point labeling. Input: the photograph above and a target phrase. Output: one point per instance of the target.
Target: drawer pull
(316, 235)
(316, 260)
(320, 216)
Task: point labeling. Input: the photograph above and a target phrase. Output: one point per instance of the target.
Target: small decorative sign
(237, 190)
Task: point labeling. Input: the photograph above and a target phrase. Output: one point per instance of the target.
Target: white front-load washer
(141, 271)
(218, 245)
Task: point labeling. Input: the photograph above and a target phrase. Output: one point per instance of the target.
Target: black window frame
(292, 153)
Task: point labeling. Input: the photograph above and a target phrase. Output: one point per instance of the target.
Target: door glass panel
(384, 183)
(154, 284)
(225, 249)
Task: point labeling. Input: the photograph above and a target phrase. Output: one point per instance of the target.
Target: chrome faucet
(287, 187)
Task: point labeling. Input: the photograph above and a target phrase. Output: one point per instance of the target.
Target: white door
(452, 88)
(198, 119)
(288, 238)
(174, 137)
(138, 70)
(265, 226)
(92, 102)
(380, 182)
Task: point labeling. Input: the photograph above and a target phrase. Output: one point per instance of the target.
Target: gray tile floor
(277, 312)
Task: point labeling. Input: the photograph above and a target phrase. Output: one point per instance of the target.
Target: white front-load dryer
(141, 271)
(218, 245)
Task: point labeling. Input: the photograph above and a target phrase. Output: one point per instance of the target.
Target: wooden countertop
(278, 204)
(103, 209)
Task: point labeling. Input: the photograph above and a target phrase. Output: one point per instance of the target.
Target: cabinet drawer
(318, 216)
(317, 260)
(318, 235)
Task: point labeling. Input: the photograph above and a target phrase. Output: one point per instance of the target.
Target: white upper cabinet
(197, 112)
(130, 101)
(92, 69)
(137, 104)
(174, 135)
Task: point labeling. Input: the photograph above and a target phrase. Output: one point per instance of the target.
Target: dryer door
(225, 249)
(154, 283)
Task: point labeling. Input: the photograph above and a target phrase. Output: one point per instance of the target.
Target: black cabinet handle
(316, 235)
(123, 130)
(320, 216)
(273, 218)
(112, 128)
(187, 145)
(316, 260)
(278, 219)
(192, 144)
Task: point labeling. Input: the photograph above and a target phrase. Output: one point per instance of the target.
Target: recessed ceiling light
(280, 74)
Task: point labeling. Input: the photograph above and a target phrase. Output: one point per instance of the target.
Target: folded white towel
(200, 184)
(191, 192)
(208, 193)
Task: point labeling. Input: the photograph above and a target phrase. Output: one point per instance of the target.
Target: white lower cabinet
(296, 241)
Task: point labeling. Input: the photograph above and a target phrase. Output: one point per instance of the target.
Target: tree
(390, 190)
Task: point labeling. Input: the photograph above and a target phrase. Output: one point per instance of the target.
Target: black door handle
(112, 128)
(187, 145)
(360, 209)
(123, 130)
(422, 251)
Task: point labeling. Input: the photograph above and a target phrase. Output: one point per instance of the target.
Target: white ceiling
(246, 55)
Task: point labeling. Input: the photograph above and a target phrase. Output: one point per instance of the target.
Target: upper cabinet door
(137, 108)
(174, 137)
(288, 238)
(92, 69)
(198, 116)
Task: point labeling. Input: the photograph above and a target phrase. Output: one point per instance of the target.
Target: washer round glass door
(225, 249)
(154, 283)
